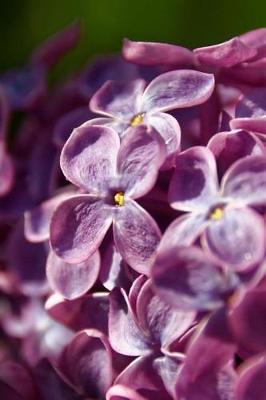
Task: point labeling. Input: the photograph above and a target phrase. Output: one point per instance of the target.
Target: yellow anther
(216, 214)
(119, 199)
(137, 120)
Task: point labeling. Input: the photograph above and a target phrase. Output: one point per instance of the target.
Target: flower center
(216, 214)
(119, 199)
(137, 120)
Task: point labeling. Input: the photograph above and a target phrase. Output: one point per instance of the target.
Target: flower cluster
(132, 220)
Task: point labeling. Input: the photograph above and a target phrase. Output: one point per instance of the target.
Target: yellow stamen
(137, 120)
(216, 214)
(119, 199)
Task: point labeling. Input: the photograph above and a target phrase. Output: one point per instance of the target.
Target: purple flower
(127, 104)
(251, 380)
(113, 176)
(221, 216)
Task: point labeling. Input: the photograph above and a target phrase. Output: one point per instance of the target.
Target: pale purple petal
(37, 220)
(251, 383)
(87, 363)
(255, 124)
(125, 335)
(252, 104)
(149, 53)
(231, 241)
(185, 278)
(226, 54)
(164, 323)
(229, 147)
(169, 129)
(140, 156)
(78, 227)
(194, 184)
(143, 376)
(89, 156)
(72, 280)
(177, 89)
(121, 392)
(121, 100)
(245, 181)
(56, 46)
(136, 236)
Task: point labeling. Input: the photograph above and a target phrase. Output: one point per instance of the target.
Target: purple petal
(37, 221)
(251, 383)
(256, 124)
(4, 114)
(7, 171)
(142, 375)
(163, 323)
(136, 236)
(194, 184)
(252, 104)
(50, 52)
(16, 383)
(114, 271)
(245, 181)
(87, 312)
(226, 54)
(231, 241)
(118, 99)
(121, 392)
(255, 38)
(89, 156)
(148, 53)
(90, 356)
(177, 89)
(141, 147)
(185, 278)
(207, 373)
(72, 281)
(247, 320)
(229, 147)
(168, 127)
(78, 227)
(124, 334)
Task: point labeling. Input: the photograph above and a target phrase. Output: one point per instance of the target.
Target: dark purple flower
(114, 176)
(221, 216)
(127, 104)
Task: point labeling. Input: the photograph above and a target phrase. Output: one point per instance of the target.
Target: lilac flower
(127, 104)
(221, 216)
(251, 380)
(142, 325)
(113, 176)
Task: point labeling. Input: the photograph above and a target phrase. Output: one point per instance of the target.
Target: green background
(25, 23)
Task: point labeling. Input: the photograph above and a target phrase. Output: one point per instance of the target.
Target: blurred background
(191, 23)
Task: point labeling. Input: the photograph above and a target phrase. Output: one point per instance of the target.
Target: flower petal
(251, 383)
(226, 54)
(72, 281)
(185, 278)
(164, 323)
(247, 321)
(90, 354)
(140, 149)
(89, 156)
(245, 181)
(194, 184)
(229, 147)
(37, 220)
(118, 99)
(177, 89)
(149, 53)
(231, 241)
(136, 236)
(121, 392)
(168, 127)
(78, 227)
(124, 334)
(51, 51)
